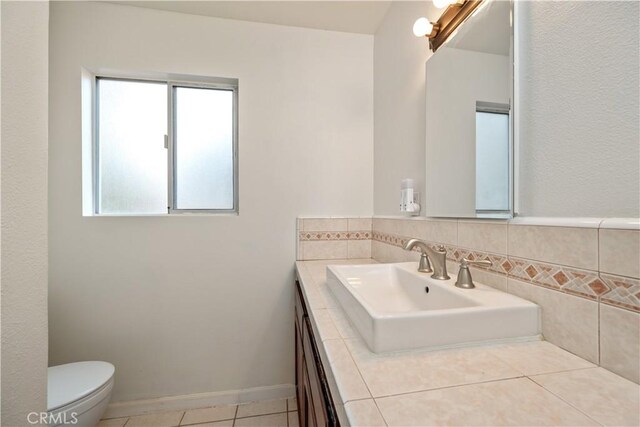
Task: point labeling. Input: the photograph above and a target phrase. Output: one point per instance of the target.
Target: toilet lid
(73, 381)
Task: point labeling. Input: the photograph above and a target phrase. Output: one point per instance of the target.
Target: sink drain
(426, 289)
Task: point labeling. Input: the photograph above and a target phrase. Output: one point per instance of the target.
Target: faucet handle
(467, 262)
(465, 280)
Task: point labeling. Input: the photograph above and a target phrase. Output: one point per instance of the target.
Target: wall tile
(623, 292)
(620, 342)
(567, 321)
(620, 252)
(331, 249)
(358, 249)
(485, 277)
(572, 246)
(483, 236)
(441, 231)
(324, 224)
(359, 224)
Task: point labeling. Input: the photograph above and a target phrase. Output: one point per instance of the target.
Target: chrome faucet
(465, 280)
(438, 258)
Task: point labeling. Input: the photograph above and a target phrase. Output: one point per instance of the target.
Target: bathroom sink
(394, 307)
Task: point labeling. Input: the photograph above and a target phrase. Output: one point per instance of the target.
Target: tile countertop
(523, 384)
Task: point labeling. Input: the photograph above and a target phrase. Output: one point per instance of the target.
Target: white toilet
(78, 393)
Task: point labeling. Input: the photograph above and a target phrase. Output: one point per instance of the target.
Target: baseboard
(198, 400)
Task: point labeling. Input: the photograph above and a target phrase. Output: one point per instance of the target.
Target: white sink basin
(390, 306)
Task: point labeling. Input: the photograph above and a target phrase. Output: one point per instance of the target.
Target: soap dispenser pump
(409, 198)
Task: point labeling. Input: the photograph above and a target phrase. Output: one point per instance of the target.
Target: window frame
(503, 109)
(170, 142)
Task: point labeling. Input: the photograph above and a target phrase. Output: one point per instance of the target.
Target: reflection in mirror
(469, 124)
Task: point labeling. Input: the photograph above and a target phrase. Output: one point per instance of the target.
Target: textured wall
(188, 304)
(24, 73)
(579, 127)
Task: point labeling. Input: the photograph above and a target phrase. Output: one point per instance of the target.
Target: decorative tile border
(613, 290)
(312, 236)
(624, 292)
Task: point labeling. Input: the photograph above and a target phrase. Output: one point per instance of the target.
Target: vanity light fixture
(444, 3)
(453, 16)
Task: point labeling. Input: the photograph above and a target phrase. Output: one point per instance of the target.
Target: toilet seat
(74, 381)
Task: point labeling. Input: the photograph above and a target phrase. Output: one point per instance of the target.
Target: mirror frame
(451, 19)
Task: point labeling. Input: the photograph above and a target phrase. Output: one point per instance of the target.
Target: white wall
(579, 150)
(455, 80)
(399, 128)
(579, 127)
(24, 28)
(194, 304)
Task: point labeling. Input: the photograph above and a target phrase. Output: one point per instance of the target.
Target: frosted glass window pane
(492, 161)
(204, 148)
(132, 157)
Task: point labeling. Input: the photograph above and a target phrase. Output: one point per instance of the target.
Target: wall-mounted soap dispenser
(409, 198)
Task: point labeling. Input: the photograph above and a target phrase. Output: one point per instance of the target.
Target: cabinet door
(309, 419)
(324, 412)
(300, 382)
(315, 406)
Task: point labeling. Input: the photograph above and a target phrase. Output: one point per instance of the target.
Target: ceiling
(362, 17)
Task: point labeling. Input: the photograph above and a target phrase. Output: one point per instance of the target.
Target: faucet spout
(437, 257)
(424, 266)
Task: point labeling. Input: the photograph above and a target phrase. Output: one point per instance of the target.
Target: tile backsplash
(334, 238)
(585, 275)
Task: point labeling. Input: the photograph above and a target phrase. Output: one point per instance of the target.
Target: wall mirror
(469, 120)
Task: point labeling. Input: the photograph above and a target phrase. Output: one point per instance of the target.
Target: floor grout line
(568, 403)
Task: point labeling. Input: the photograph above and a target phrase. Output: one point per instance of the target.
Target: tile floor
(271, 413)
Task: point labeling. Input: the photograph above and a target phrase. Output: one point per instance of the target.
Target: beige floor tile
(387, 374)
(262, 408)
(364, 413)
(113, 422)
(539, 357)
(204, 415)
(292, 404)
(161, 419)
(607, 398)
(274, 420)
(293, 419)
(482, 405)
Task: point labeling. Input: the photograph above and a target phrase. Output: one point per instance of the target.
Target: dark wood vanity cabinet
(315, 406)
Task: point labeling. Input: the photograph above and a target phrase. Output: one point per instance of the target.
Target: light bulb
(422, 27)
(441, 3)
